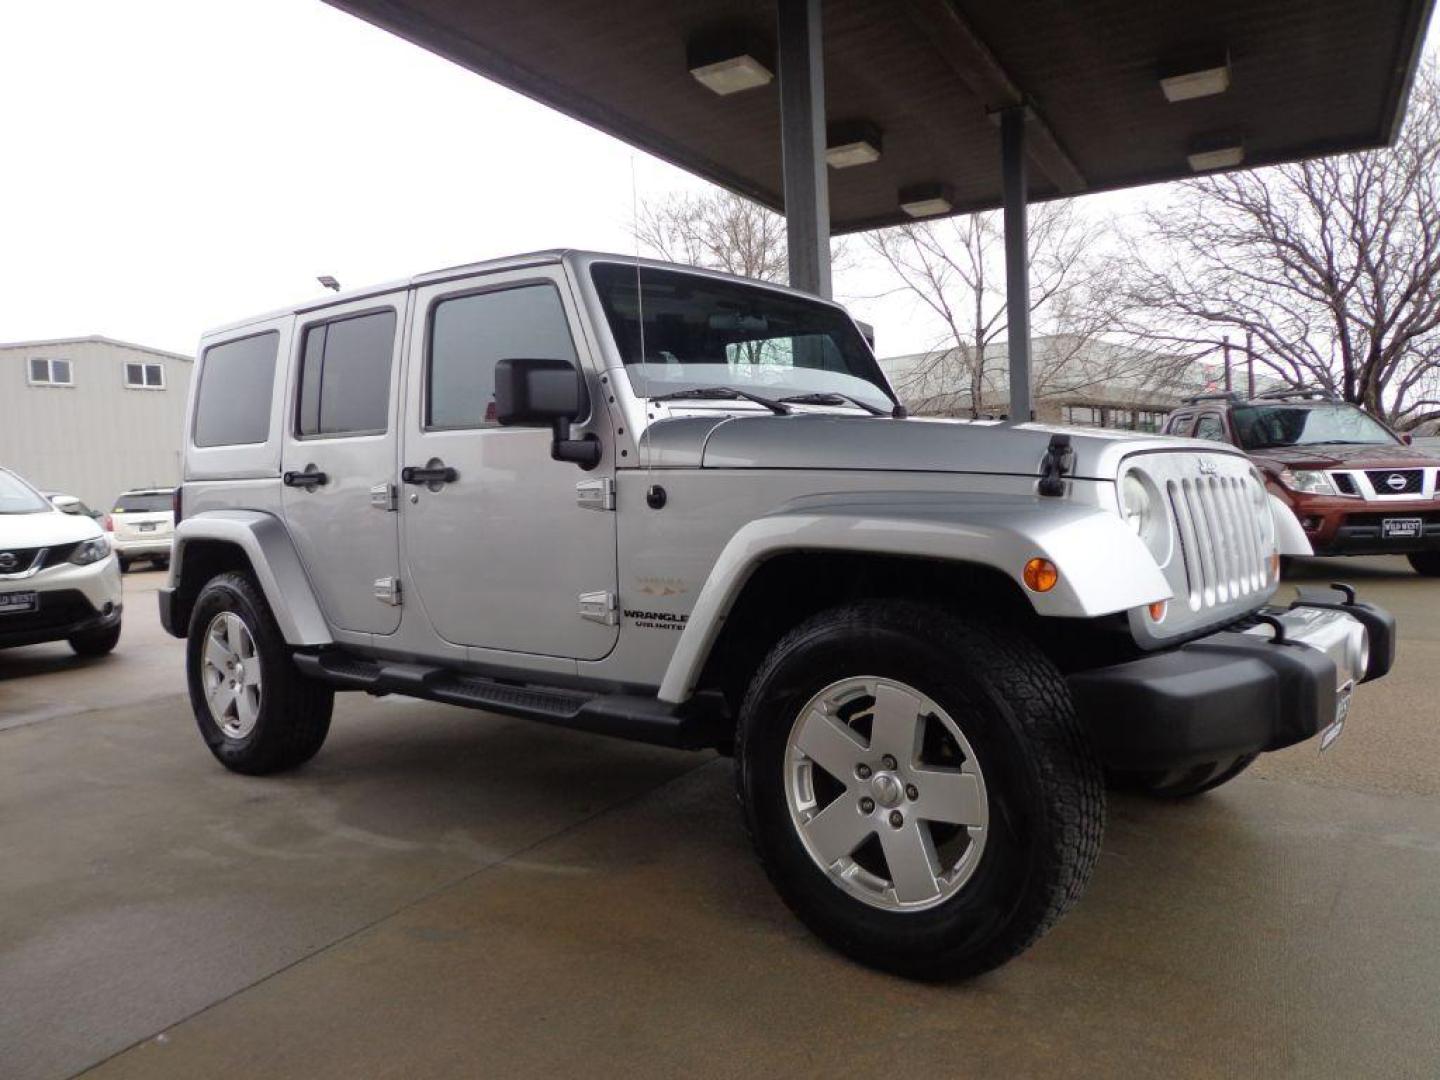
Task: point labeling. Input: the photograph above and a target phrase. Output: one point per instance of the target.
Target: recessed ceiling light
(733, 74)
(852, 143)
(927, 200)
(1196, 84)
(1214, 156)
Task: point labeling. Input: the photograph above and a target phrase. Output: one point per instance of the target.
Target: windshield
(1259, 427)
(702, 332)
(17, 497)
(148, 503)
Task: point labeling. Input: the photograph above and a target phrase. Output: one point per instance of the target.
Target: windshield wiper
(831, 397)
(726, 393)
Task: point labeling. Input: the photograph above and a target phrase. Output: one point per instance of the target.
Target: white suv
(59, 579)
(143, 524)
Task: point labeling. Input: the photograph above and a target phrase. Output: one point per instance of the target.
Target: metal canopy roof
(1308, 77)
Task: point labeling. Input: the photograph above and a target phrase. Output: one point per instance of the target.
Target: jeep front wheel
(918, 788)
(256, 712)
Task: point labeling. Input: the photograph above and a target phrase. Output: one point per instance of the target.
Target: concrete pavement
(447, 893)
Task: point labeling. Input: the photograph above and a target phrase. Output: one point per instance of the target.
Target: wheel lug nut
(896, 818)
(888, 761)
(863, 772)
(912, 792)
(867, 804)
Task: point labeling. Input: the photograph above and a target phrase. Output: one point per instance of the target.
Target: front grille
(56, 610)
(1382, 480)
(1221, 549)
(1345, 483)
(19, 559)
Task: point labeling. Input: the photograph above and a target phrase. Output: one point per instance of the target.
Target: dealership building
(91, 417)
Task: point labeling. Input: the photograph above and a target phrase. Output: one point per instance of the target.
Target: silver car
(685, 508)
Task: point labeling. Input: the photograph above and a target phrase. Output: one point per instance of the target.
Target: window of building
(237, 380)
(345, 376)
(469, 334)
(145, 376)
(46, 371)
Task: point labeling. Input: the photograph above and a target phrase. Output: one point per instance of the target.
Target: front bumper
(1336, 526)
(1272, 681)
(71, 599)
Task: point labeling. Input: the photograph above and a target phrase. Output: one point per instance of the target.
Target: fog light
(1041, 575)
(1158, 610)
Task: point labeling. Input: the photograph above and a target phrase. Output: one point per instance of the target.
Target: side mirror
(540, 392)
(1408, 439)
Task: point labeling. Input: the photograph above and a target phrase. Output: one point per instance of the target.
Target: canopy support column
(802, 142)
(1017, 261)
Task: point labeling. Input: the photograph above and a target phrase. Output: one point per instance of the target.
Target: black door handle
(429, 474)
(311, 477)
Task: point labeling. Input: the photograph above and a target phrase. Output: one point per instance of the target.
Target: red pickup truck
(1355, 486)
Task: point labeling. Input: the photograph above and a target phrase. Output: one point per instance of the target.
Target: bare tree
(956, 269)
(716, 229)
(1332, 267)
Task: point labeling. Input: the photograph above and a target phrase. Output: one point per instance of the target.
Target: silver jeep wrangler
(684, 508)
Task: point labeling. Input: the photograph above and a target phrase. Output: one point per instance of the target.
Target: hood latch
(1059, 460)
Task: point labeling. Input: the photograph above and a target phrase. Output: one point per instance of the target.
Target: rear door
(517, 551)
(338, 459)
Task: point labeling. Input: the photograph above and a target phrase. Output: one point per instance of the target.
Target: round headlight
(1145, 513)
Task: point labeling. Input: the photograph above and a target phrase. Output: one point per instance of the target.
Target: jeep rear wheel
(256, 712)
(918, 789)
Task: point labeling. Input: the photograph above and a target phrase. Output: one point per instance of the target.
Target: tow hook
(1059, 458)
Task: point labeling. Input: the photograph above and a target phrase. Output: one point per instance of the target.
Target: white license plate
(1342, 710)
(1401, 528)
(146, 526)
(12, 603)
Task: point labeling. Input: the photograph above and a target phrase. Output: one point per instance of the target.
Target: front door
(506, 552)
(339, 460)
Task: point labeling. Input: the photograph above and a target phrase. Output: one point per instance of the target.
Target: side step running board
(626, 716)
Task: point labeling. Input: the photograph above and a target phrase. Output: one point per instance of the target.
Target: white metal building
(91, 416)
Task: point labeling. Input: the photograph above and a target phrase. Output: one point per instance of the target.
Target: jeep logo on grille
(8, 561)
(1396, 481)
(1208, 468)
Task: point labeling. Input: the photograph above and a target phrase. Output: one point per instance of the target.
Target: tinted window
(470, 333)
(147, 503)
(1210, 427)
(18, 498)
(1263, 426)
(237, 380)
(345, 375)
(1179, 423)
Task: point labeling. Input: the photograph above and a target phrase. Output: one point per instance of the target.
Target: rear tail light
(176, 503)
(109, 523)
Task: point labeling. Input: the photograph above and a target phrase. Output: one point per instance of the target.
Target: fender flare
(1290, 538)
(277, 567)
(1104, 566)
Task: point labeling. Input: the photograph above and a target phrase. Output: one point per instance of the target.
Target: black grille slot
(59, 553)
(1411, 481)
(1345, 483)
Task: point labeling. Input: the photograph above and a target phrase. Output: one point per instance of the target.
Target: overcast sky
(173, 164)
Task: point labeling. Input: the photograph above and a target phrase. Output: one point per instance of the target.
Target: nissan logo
(1396, 482)
(8, 561)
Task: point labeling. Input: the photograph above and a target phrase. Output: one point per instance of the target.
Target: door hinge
(387, 590)
(597, 494)
(385, 497)
(601, 607)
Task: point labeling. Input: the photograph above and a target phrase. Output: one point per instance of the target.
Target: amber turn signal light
(1158, 611)
(1040, 575)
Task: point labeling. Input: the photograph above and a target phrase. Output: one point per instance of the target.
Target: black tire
(1181, 783)
(95, 642)
(161, 564)
(124, 565)
(1426, 563)
(1044, 785)
(293, 714)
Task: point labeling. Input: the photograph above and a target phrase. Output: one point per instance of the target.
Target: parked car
(685, 508)
(69, 504)
(59, 580)
(143, 524)
(1354, 486)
